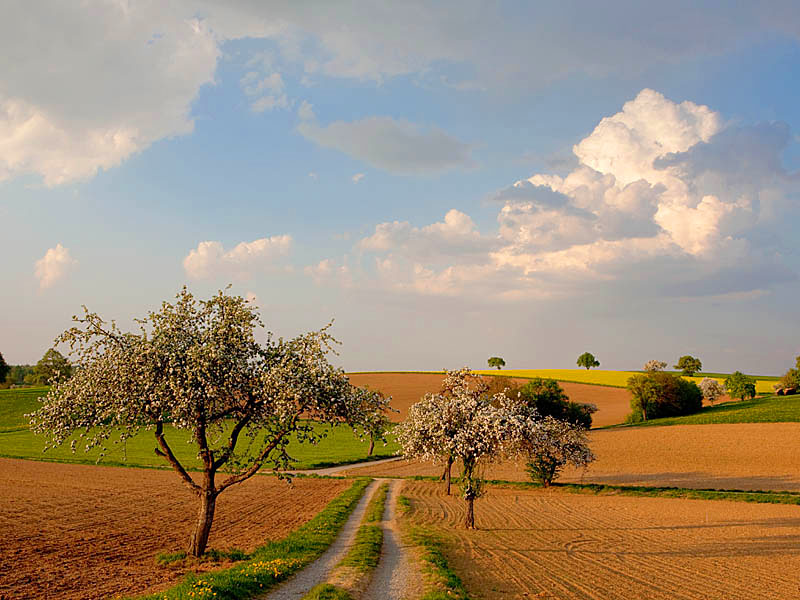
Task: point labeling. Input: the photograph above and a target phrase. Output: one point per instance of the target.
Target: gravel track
(396, 577)
(317, 572)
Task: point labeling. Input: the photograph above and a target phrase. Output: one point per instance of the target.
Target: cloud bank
(210, 259)
(667, 199)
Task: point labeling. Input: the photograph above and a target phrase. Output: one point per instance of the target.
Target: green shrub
(659, 394)
(550, 400)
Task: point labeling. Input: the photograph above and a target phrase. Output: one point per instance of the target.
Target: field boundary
(441, 582)
(603, 489)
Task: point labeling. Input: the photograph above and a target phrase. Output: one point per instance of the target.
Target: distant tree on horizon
(653, 366)
(689, 365)
(588, 361)
(53, 367)
(4, 368)
(496, 361)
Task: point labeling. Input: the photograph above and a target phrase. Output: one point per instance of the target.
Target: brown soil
(77, 531)
(407, 388)
(744, 456)
(550, 544)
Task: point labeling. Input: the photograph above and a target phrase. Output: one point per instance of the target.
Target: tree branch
(257, 462)
(166, 452)
(228, 451)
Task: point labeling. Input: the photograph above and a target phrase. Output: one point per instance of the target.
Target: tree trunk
(469, 522)
(448, 467)
(205, 517)
(371, 447)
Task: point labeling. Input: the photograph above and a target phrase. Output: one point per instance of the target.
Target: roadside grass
(770, 409)
(340, 446)
(352, 573)
(441, 582)
(602, 489)
(273, 562)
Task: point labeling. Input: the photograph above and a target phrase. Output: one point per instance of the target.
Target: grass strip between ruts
(274, 561)
(361, 559)
(602, 489)
(442, 582)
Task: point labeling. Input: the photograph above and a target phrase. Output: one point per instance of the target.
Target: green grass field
(340, 446)
(611, 378)
(771, 409)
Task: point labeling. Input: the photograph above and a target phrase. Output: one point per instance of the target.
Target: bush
(740, 385)
(661, 394)
(547, 397)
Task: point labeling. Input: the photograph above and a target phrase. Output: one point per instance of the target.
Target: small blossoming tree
(196, 366)
(373, 419)
(462, 422)
(712, 389)
(653, 366)
(548, 445)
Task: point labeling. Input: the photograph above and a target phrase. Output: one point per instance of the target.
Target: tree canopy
(496, 361)
(740, 386)
(689, 365)
(52, 368)
(196, 365)
(587, 360)
(4, 368)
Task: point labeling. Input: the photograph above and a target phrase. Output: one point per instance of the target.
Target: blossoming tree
(712, 389)
(462, 422)
(196, 366)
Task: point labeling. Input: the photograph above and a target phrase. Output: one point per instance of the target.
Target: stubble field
(550, 544)
(77, 531)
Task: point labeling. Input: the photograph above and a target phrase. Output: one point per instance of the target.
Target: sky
(447, 181)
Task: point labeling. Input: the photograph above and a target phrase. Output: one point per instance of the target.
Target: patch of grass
(340, 446)
(758, 497)
(755, 496)
(326, 591)
(273, 562)
(212, 555)
(771, 409)
(15, 404)
(444, 583)
(377, 504)
(366, 550)
(404, 505)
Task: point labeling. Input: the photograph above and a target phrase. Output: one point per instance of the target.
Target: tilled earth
(738, 456)
(407, 388)
(551, 544)
(77, 531)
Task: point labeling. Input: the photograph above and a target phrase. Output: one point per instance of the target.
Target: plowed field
(407, 388)
(537, 544)
(74, 531)
(745, 456)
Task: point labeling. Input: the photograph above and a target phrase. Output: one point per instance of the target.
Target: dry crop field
(551, 544)
(78, 531)
(746, 456)
(613, 404)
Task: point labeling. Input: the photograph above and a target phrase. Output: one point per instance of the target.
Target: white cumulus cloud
(53, 266)
(210, 259)
(666, 199)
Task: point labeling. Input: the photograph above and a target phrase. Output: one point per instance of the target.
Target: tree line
(52, 367)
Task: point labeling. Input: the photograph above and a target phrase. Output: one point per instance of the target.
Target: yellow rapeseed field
(599, 377)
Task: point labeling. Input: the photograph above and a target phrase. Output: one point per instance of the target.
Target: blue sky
(446, 181)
